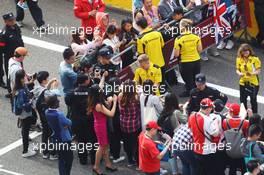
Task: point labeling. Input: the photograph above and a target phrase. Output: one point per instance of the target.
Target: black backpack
(166, 124)
(41, 105)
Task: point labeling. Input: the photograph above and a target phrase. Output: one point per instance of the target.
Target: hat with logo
(106, 52)
(206, 103)
(153, 125)
(200, 78)
(9, 16)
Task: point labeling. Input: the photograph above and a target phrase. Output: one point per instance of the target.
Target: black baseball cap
(200, 78)
(178, 10)
(9, 16)
(219, 105)
(106, 52)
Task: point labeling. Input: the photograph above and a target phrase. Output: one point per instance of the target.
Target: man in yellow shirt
(148, 71)
(150, 42)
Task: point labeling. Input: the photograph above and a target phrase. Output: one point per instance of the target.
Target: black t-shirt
(111, 68)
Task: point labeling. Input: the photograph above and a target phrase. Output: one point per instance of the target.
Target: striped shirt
(130, 117)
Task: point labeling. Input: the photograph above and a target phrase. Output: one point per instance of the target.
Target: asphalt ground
(219, 70)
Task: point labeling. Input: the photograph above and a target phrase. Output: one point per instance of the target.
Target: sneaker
(131, 164)
(215, 53)
(2, 84)
(45, 156)
(9, 95)
(43, 28)
(230, 44)
(184, 94)
(221, 45)
(20, 24)
(205, 58)
(54, 157)
(30, 153)
(163, 171)
(120, 159)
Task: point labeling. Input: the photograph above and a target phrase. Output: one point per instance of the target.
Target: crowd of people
(206, 134)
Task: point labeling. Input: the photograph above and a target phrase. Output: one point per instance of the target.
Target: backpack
(21, 102)
(166, 124)
(41, 105)
(233, 137)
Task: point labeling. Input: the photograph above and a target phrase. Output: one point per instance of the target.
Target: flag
(221, 17)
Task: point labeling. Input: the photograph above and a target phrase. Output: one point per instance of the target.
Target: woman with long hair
(80, 45)
(248, 67)
(98, 106)
(22, 107)
(130, 121)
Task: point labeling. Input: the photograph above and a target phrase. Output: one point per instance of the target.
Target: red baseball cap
(153, 125)
(234, 108)
(206, 102)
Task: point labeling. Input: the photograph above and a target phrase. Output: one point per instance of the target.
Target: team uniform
(196, 97)
(187, 44)
(249, 84)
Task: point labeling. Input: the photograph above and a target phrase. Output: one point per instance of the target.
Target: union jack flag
(223, 13)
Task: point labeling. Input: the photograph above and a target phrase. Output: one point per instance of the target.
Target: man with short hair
(67, 75)
(10, 39)
(166, 8)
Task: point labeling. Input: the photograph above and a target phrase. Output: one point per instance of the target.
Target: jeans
(25, 126)
(35, 11)
(189, 164)
(65, 160)
(156, 173)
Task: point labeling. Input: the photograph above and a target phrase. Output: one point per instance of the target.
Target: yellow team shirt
(151, 43)
(153, 74)
(250, 66)
(187, 44)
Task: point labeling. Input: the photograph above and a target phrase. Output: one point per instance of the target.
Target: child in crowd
(253, 167)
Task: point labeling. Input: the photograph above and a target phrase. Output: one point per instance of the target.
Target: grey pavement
(219, 70)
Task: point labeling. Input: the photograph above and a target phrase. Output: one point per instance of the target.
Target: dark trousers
(235, 164)
(156, 173)
(252, 92)
(46, 133)
(25, 127)
(188, 72)
(206, 164)
(35, 11)
(260, 20)
(189, 164)
(115, 146)
(221, 161)
(4, 65)
(131, 145)
(83, 128)
(65, 160)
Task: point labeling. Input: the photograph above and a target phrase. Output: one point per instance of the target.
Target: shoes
(96, 172)
(205, 58)
(43, 28)
(54, 157)
(120, 159)
(131, 164)
(230, 44)
(45, 156)
(221, 45)
(20, 24)
(30, 153)
(111, 169)
(9, 95)
(163, 171)
(185, 94)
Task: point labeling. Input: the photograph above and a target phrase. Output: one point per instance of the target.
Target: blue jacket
(68, 77)
(57, 122)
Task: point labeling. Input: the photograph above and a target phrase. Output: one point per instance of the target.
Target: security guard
(10, 39)
(104, 64)
(202, 91)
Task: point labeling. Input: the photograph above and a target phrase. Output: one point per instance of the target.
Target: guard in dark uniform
(104, 64)
(10, 39)
(203, 91)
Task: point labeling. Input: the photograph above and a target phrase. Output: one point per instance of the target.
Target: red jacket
(82, 9)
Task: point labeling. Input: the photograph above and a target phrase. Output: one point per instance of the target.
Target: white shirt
(13, 67)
